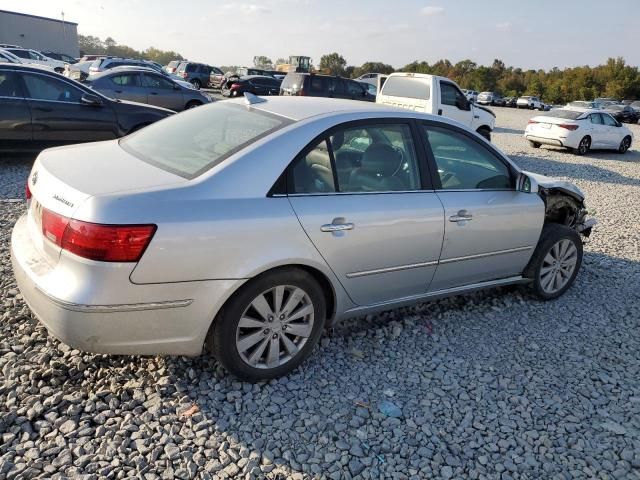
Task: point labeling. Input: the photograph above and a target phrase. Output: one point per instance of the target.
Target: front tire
(192, 104)
(584, 146)
(625, 144)
(485, 132)
(270, 326)
(196, 84)
(556, 261)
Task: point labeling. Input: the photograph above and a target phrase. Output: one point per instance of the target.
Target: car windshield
(192, 143)
(410, 87)
(560, 113)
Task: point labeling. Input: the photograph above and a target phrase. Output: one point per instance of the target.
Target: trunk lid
(63, 178)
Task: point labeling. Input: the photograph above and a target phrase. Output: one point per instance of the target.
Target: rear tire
(624, 144)
(192, 104)
(249, 358)
(555, 262)
(534, 144)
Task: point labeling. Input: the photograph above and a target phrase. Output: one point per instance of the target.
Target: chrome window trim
(484, 255)
(63, 79)
(13, 98)
(326, 194)
(399, 268)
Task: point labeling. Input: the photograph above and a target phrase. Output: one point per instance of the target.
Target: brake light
(104, 243)
(185, 74)
(234, 86)
(531, 122)
(302, 93)
(27, 190)
(569, 126)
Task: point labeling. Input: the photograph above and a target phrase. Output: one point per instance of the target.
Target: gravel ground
(489, 385)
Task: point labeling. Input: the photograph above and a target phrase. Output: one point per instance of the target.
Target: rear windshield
(193, 142)
(292, 81)
(410, 87)
(559, 113)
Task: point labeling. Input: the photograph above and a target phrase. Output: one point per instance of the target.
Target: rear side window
(318, 84)
(192, 143)
(41, 87)
(127, 80)
(192, 68)
(20, 53)
(410, 87)
(9, 86)
(596, 118)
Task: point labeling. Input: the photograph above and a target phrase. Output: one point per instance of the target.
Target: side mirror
(527, 184)
(91, 100)
(463, 104)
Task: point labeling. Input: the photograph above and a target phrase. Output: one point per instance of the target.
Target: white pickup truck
(435, 95)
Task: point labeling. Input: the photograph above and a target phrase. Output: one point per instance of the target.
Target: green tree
(334, 63)
(261, 61)
(372, 67)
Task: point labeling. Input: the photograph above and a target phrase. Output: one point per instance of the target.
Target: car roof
(301, 108)
(32, 67)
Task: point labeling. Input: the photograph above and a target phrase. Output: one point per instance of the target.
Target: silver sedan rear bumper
(94, 307)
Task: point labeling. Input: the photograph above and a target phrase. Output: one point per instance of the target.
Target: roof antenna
(251, 99)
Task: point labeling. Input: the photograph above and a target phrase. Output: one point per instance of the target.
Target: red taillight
(302, 93)
(185, 75)
(27, 190)
(531, 122)
(234, 86)
(104, 243)
(569, 126)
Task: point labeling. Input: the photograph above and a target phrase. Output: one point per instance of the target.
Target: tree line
(614, 79)
(95, 46)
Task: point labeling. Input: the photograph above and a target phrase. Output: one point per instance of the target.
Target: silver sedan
(247, 227)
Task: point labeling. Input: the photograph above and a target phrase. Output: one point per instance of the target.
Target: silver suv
(106, 63)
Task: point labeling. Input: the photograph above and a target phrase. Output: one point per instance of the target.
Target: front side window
(21, 53)
(609, 120)
(336, 86)
(354, 88)
(127, 80)
(155, 81)
(464, 164)
(367, 158)
(40, 87)
(450, 94)
(190, 144)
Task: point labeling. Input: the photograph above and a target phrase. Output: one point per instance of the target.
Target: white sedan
(579, 129)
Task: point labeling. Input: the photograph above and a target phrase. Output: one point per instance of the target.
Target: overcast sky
(531, 34)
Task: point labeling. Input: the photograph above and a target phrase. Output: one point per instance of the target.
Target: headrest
(382, 159)
(337, 141)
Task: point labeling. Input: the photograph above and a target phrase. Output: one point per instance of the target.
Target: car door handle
(336, 227)
(440, 111)
(154, 93)
(118, 91)
(461, 216)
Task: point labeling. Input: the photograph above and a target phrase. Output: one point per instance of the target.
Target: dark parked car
(63, 57)
(256, 84)
(41, 109)
(313, 85)
(622, 113)
(197, 74)
(510, 102)
(220, 80)
(146, 86)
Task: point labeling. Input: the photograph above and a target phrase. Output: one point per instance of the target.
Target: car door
(15, 115)
(453, 103)
(362, 197)
(356, 90)
(125, 86)
(598, 131)
(490, 228)
(162, 92)
(336, 88)
(59, 116)
(612, 131)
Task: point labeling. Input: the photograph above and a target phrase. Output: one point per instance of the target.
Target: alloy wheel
(584, 145)
(624, 145)
(275, 326)
(558, 266)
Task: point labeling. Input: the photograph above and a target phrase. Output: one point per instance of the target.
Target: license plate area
(545, 125)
